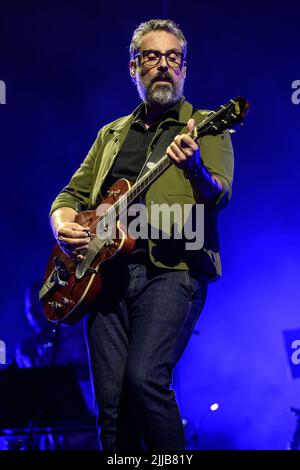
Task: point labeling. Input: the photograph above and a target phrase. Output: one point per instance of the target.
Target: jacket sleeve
(217, 154)
(77, 192)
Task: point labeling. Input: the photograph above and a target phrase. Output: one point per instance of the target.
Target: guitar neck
(164, 163)
(148, 179)
(215, 123)
(139, 187)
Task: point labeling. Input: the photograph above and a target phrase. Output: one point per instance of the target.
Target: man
(152, 301)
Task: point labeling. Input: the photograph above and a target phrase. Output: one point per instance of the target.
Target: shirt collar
(185, 112)
(172, 112)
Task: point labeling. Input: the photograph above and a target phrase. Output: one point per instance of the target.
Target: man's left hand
(184, 151)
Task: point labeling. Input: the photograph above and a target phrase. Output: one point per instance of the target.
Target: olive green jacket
(84, 189)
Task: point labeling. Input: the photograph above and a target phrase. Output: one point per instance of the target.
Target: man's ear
(132, 69)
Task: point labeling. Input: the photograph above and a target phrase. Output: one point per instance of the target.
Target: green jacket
(84, 189)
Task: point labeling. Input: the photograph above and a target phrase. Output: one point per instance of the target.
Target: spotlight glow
(214, 407)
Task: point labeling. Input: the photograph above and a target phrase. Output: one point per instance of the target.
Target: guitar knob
(55, 305)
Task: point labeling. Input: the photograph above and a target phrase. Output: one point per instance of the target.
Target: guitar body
(71, 296)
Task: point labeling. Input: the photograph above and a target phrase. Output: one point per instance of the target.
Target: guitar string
(131, 190)
(165, 158)
(163, 163)
(159, 167)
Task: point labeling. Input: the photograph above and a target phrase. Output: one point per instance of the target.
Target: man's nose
(163, 64)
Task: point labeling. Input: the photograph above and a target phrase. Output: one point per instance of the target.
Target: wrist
(192, 172)
(60, 217)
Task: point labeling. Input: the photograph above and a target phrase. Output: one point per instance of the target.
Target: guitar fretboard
(215, 123)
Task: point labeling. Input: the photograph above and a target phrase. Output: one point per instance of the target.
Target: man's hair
(156, 25)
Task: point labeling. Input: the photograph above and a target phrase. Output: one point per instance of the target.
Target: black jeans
(146, 318)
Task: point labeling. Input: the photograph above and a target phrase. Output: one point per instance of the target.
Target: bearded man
(152, 301)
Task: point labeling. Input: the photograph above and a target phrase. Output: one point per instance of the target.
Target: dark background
(65, 65)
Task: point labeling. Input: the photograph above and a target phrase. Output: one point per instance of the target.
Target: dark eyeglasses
(151, 58)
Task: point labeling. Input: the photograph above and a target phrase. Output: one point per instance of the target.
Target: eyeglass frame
(161, 54)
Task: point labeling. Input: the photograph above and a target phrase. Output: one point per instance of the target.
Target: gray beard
(162, 95)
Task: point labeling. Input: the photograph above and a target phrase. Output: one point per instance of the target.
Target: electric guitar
(71, 288)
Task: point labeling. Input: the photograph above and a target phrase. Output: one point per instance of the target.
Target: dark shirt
(131, 158)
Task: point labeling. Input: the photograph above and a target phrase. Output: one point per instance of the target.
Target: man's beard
(162, 94)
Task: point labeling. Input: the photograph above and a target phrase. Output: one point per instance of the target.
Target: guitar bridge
(55, 305)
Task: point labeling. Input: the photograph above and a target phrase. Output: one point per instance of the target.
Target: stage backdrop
(64, 74)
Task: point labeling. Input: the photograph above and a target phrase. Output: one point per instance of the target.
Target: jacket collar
(185, 112)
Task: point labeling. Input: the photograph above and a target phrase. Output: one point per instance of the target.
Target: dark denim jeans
(145, 321)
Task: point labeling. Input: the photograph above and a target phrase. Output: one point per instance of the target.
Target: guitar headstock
(224, 118)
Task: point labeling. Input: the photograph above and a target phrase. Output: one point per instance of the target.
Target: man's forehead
(160, 40)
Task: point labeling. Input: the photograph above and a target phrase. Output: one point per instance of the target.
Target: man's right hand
(73, 239)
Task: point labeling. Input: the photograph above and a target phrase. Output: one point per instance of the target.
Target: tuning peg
(232, 131)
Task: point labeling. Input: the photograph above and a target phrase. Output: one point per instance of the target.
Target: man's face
(162, 84)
